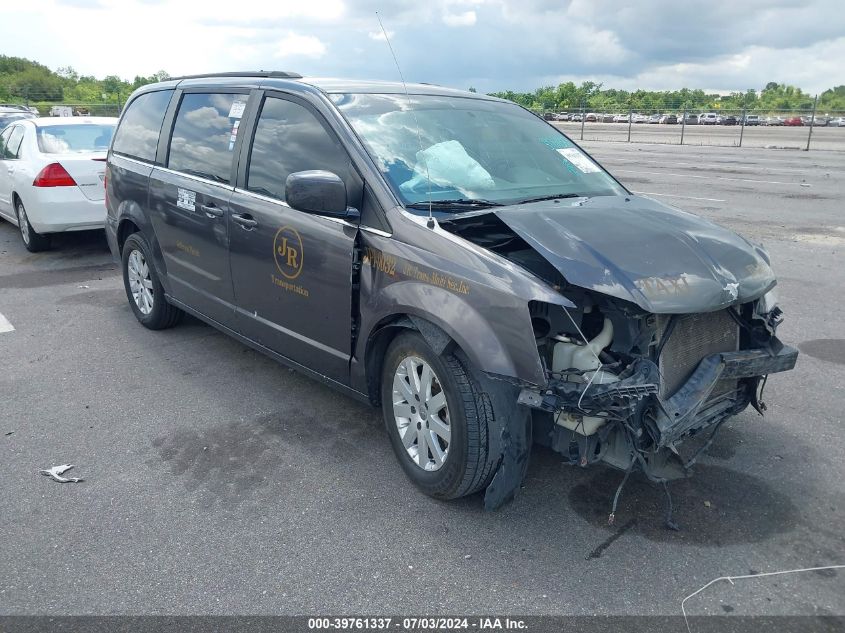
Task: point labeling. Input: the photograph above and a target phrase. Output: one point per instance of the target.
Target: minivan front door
(291, 271)
(189, 202)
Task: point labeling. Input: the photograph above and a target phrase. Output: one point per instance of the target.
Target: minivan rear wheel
(437, 418)
(143, 288)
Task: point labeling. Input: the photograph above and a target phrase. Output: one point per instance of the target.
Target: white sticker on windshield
(577, 158)
(237, 109)
(186, 199)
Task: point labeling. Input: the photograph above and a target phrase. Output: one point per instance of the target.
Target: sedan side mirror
(319, 192)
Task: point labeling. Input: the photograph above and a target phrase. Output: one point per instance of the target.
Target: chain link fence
(772, 129)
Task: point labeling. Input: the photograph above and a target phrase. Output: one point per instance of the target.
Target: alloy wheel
(140, 283)
(421, 413)
(23, 223)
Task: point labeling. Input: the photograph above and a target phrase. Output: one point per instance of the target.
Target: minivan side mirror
(320, 192)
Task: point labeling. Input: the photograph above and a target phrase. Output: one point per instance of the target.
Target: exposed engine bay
(626, 386)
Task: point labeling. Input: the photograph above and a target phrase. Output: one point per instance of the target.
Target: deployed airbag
(447, 164)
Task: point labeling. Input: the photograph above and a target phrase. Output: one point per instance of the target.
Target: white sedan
(52, 172)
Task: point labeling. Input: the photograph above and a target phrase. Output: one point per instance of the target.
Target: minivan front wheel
(143, 288)
(437, 418)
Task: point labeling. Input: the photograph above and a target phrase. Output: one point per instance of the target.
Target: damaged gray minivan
(449, 257)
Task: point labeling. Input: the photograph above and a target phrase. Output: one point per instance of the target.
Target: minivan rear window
(137, 134)
(204, 134)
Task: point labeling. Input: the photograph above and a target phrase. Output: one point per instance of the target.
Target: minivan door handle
(245, 220)
(212, 211)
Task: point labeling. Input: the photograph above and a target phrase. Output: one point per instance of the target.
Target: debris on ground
(706, 504)
(55, 473)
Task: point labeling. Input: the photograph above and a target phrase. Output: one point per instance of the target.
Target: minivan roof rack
(267, 74)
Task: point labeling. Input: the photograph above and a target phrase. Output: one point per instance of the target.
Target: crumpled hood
(664, 260)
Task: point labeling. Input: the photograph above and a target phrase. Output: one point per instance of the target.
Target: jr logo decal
(287, 251)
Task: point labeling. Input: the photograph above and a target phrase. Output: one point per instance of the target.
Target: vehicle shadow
(259, 459)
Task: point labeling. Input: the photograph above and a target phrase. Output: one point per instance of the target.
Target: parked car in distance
(793, 121)
(591, 117)
(562, 116)
(312, 227)
(61, 110)
(773, 120)
(9, 114)
(52, 172)
(837, 121)
(639, 118)
(752, 119)
(22, 108)
(708, 118)
(576, 117)
(670, 119)
(690, 119)
(655, 118)
(819, 121)
(728, 119)
(609, 118)
(621, 118)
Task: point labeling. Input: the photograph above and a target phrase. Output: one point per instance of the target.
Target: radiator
(694, 337)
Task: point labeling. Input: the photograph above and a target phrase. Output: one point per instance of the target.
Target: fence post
(683, 124)
(630, 113)
(744, 110)
(812, 121)
(583, 116)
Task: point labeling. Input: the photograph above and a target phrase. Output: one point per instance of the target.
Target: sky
(490, 45)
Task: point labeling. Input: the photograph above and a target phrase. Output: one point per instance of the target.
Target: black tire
(162, 314)
(33, 241)
(468, 466)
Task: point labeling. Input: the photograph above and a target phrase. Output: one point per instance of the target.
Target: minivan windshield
(465, 152)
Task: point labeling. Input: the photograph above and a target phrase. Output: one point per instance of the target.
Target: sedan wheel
(140, 283)
(421, 413)
(23, 224)
(32, 240)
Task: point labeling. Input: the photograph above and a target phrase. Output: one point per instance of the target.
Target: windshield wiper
(557, 196)
(458, 202)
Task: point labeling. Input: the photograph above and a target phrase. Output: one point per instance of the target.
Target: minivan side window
(204, 134)
(289, 138)
(137, 135)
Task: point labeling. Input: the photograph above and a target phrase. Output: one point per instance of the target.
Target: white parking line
(664, 173)
(708, 165)
(672, 195)
(5, 326)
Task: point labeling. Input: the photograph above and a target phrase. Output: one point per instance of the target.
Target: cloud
(467, 18)
(503, 44)
(379, 35)
(295, 45)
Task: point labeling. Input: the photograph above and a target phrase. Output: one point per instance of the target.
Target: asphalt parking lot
(217, 481)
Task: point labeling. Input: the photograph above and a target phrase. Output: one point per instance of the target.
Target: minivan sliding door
(189, 201)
